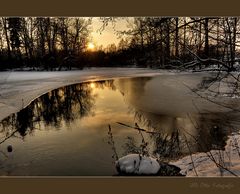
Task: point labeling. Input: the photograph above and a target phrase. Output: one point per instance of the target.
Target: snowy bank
(214, 163)
(18, 89)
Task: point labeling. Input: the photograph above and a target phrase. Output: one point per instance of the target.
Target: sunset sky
(108, 36)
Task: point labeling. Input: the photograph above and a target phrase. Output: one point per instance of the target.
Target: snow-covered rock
(137, 164)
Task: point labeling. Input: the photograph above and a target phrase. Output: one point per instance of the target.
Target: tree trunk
(184, 41)
(167, 41)
(234, 41)
(206, 48)
(6, 35)
(176, 39)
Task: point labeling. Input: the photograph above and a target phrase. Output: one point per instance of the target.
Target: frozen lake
(65, 131)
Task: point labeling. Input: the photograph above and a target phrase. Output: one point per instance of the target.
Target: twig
(111, 142)
(190, 155)
(206, 98)
(12, 134)
(211, 157)
(137, 128)
(3, 153)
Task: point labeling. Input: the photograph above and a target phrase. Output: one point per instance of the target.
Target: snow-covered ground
(18, 89)
(213, 163)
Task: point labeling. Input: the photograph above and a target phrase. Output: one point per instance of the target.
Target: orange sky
(108, 36)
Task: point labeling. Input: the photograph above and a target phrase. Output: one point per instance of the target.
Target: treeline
(187, 42)
(46, 42)
(162, 42)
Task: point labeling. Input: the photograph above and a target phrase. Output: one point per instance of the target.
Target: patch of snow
(231, 95)
(214, 163)
(138, 164)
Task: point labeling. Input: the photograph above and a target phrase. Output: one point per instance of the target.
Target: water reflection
(157, 104)
(202, 132)
(185, 124)
(56, 108)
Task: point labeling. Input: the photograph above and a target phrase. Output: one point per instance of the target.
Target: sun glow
(92, 85)
(90, 46)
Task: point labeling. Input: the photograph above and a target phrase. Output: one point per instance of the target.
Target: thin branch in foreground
(210, 156)
(11, 135)
(214, 102)
(112, 143)
(137, 128)
(194, 168)
(4, 154)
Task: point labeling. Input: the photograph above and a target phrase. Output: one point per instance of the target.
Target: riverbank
(19, 88)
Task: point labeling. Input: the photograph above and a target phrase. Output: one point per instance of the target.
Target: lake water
(65, 131)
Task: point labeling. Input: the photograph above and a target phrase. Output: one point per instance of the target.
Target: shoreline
(19, 88)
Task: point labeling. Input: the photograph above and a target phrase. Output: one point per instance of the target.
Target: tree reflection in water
(55, 108)
(175, 133)
(178, 134)
(175, 137)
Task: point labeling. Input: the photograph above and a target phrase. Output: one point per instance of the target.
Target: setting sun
(92, 85)
(90, 46)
